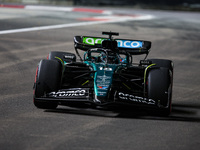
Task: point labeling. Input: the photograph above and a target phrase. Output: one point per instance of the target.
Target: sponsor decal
(70, 93)
(136, 98)
(92, 40)
(120, 43)
(103, 79)
(68, 56)
(106, 69)
(129, 44)
(102, 87)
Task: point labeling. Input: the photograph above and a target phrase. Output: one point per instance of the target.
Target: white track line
(48, 8)
(146, 17)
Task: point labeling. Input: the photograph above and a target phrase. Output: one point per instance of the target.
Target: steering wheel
(103, 57)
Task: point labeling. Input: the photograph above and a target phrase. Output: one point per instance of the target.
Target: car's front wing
(86, 96)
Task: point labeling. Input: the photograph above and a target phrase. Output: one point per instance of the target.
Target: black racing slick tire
(160, 89)
(47, 79)
(163, 63)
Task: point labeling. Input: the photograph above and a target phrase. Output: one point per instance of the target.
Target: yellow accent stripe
(126, 86)
(145, 72)
(60, 60)
(85, 82)
(63, 64)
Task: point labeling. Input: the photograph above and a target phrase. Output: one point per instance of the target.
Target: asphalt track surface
(175, 36)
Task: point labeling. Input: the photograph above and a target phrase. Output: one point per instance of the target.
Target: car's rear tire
(62, 56)
(47, 79)
(163, 63)
(160, 89)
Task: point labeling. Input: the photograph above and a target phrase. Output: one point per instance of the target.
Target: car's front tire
(160, 89)
(47, 79)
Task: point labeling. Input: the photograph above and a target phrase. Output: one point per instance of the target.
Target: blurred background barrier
(144, 4)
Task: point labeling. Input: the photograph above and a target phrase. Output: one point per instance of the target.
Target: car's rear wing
(133, 47)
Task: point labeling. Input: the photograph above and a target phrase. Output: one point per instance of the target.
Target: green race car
(104, 76)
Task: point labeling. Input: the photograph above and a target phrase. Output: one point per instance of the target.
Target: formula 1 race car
(104, 76)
